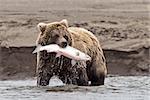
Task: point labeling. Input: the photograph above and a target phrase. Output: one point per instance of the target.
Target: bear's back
(83, 33)
(85, 40)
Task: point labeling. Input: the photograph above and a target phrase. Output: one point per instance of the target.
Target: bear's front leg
(43, 73)
(82, 74)
(75, 75)
(43, 78)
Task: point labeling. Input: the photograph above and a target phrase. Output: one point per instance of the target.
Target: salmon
(68, 52)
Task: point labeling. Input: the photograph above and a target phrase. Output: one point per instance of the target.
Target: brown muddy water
(115, 88)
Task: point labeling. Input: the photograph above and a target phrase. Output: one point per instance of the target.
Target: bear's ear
(42, 26)
(64, 22)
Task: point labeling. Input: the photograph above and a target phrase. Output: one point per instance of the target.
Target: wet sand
(122, 27)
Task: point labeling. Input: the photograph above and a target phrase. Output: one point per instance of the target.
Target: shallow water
(115, 88)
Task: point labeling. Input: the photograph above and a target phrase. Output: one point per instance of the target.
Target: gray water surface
(115, 88)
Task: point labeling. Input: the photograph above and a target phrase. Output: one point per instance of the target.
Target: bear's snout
(63, 44)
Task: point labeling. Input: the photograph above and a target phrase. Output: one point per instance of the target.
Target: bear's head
(54, 33)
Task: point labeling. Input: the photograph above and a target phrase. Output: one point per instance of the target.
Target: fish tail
(37, 49)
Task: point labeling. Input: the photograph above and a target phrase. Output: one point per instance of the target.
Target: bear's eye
(66, 37)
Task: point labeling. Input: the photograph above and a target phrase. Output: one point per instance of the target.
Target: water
(115, 88)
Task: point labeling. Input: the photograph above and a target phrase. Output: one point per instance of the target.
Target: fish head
(54, 33)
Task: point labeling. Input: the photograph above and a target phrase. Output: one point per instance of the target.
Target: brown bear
(83, 71)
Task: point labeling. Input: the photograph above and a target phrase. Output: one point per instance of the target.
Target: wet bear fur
(83, 71)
